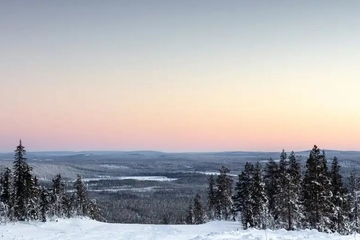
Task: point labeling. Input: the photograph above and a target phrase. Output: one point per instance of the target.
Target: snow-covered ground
(138, 178)
(123, 188)
(83, 229)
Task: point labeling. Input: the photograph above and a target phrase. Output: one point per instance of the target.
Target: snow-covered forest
(285, 195)
(277, 194)
(23, 199)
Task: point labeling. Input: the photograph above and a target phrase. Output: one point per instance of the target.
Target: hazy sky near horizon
(179, 75)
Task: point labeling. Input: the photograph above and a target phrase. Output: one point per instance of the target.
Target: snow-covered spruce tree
(58, 193)
(339, 214)
(294, 206)
(32, 195)
(95, 212)
(224, 194)
(259, 200)
(21, 184)
(271, 179)
(6, 196)
(283, 184)
(317, 192)
(282, 197)
(3, 213)
(243, 196)
(353, 201)
(69, 206)
(211, 197)
(44, 204)
(198, 210)
(81, 197)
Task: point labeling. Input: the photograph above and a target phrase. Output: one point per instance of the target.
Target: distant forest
(268, 195)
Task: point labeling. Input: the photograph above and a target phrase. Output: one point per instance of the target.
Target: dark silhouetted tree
(21, 182)
(6, 196)
(198, 210)
(211, 197)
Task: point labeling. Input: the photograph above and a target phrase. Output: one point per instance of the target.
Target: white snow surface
(138, 178)
(85, 229)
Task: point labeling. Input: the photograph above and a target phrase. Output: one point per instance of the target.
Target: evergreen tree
(198, 211)
(271, 180)
(81, 197)
(58, 195)
(69, 206)
(95, 211)
(32, 195)
(3, 213)
(282, 197)
(243, 198)
(317, 192)
(338, 198)
(259, 200)
(21, 197)
(224, 194)
(211, 197)
(21, 171)
(353, 201)
(293, 196)
(44, 204)
(6, 196)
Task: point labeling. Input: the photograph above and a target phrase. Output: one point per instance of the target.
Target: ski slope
(84, 229)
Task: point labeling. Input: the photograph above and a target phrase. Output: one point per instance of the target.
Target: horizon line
(170, 152)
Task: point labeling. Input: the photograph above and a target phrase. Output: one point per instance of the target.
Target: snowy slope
(80, 229)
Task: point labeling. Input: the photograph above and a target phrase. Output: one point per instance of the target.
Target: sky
(179, 75)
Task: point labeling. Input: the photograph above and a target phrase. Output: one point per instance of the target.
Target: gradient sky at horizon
(180, 75)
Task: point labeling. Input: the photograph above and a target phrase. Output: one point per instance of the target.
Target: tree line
(23, 199)
(282, 194)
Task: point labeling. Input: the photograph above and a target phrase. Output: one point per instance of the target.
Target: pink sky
(179, 76)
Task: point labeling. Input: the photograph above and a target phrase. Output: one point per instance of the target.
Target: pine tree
(282, 197)
(20, 185)
(21, 197)
(199, 215)
(44, 204)
(338, 198)
(317, 192)
(32, 195)
(353, 201)
(6, 196)
(271, 180)
(58, 192)
(81, 197)
(294, 207)
(95, 211)
(224, 194)
(259, 200)
(69, 206)
(3, 213)
(243, 198)
(211, 197)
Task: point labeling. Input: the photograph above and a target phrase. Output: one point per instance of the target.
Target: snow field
(84, 229)
(137, 178)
